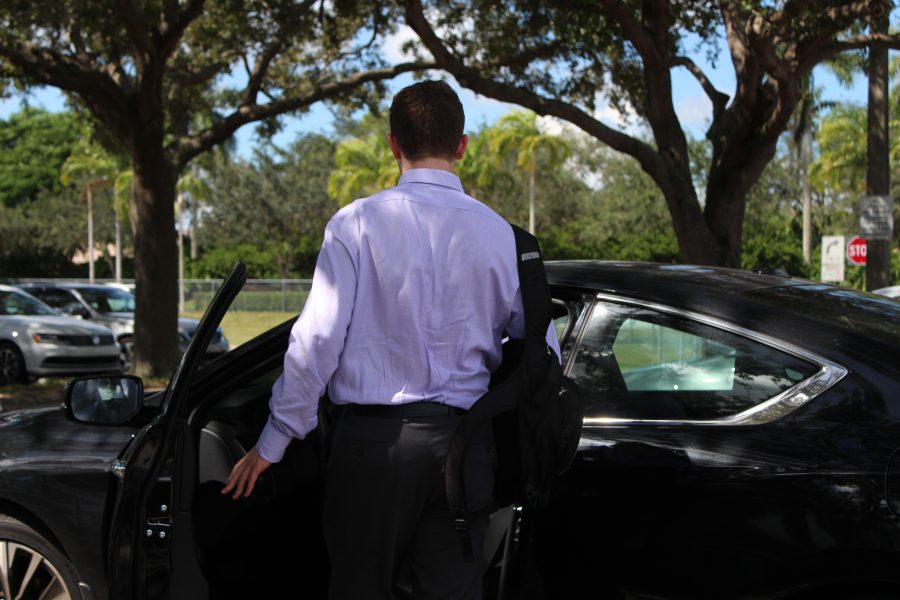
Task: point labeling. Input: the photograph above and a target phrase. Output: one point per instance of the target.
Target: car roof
(69, 285)
(778, 305)
(9, 288)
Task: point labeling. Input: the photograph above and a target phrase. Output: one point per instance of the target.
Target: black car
(741, 441)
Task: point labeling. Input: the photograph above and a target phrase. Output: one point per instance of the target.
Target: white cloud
(393, 44)
(694, 112)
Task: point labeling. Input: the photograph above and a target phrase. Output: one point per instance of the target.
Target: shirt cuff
(272, 443)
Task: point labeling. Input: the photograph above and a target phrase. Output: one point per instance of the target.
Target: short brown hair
(427, 119)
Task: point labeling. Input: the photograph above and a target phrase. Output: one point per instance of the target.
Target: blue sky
(692, 105)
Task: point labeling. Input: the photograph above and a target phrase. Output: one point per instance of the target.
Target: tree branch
(198, 76)
(632, 29)
(74, 33)
(182, 150)
(49, 67)
(892, 42)
(130, 14)
(279, 40)
(171, 34)
(528, 55)
(719, 99)
(472, 79)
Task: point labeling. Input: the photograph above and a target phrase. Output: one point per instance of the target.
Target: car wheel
(12, 364)
(126, 353)
(31, 567)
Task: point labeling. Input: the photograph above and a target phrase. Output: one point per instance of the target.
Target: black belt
(412, 409)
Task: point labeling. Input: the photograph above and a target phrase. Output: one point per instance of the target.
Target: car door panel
(151, 545)
(682, 509)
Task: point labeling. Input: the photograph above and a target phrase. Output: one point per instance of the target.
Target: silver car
(113, 307)
(891, 292)
(36, 340)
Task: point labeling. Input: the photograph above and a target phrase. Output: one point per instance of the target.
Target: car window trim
(827, 375)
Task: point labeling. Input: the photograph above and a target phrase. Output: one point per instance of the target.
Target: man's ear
(395, 147)
(461, 149)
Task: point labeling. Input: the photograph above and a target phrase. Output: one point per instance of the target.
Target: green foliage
(627, 217)
(363, 163)
(33, 146)
(773, 225)
(277, 203)
(217, 263)
(41, 235)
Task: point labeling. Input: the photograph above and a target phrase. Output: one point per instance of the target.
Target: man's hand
(245, 473)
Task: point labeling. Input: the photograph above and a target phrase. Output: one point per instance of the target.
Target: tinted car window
(108, 300)
(636, 363)
(55, 298)
(16, 303)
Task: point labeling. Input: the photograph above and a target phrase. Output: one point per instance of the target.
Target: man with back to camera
(413, 291)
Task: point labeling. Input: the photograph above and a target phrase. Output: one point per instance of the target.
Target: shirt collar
(432, 176)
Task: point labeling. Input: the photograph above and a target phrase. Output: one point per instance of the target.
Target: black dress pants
(386, 509)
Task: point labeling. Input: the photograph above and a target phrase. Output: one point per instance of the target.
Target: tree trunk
(878, 171)
(155, 261)
(696, 241)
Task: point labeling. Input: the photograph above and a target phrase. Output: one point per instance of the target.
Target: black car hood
(41, 435)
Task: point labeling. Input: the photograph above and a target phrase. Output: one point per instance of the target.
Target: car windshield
(108, 300)
(18, 303)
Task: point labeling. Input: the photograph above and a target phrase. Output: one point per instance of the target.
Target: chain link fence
(258, 295)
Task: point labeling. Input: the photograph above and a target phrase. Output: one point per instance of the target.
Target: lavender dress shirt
(413, 291)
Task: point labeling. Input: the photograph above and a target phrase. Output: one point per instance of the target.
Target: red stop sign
(856, 251)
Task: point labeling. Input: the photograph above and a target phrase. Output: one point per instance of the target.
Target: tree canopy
(33, 146)
(168, 80)
(563, 60)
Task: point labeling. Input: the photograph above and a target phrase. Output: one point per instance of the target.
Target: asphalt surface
(30, 397)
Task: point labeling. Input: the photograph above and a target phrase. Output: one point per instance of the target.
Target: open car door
(151, 543)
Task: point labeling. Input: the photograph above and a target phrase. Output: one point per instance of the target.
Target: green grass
(240, 326)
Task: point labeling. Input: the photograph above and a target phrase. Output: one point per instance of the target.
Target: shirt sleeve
(314, 350)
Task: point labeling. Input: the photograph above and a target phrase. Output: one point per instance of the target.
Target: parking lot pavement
(36, 396)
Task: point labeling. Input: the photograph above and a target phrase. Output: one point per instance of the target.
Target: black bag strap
(536, 300)
(505, 396)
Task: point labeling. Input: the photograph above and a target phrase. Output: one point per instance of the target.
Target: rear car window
(638, 363)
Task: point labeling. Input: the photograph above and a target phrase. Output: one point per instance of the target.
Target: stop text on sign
(856, 250)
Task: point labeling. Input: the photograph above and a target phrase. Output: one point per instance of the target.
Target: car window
(108, 300)
(18, 303)
(55, 298)
(637, 363)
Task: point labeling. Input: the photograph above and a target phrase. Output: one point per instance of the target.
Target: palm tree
(363, 166)
(842, 158)
(197, 190)
(517, 132)
(93, 168)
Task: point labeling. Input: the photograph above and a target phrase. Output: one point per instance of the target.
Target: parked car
(891, 291)
(36, 340)
(114, 307)
(742, 440)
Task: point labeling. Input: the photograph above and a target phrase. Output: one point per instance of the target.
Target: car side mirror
(104, 400)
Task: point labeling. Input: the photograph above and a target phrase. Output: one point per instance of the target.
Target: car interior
(271, 541)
